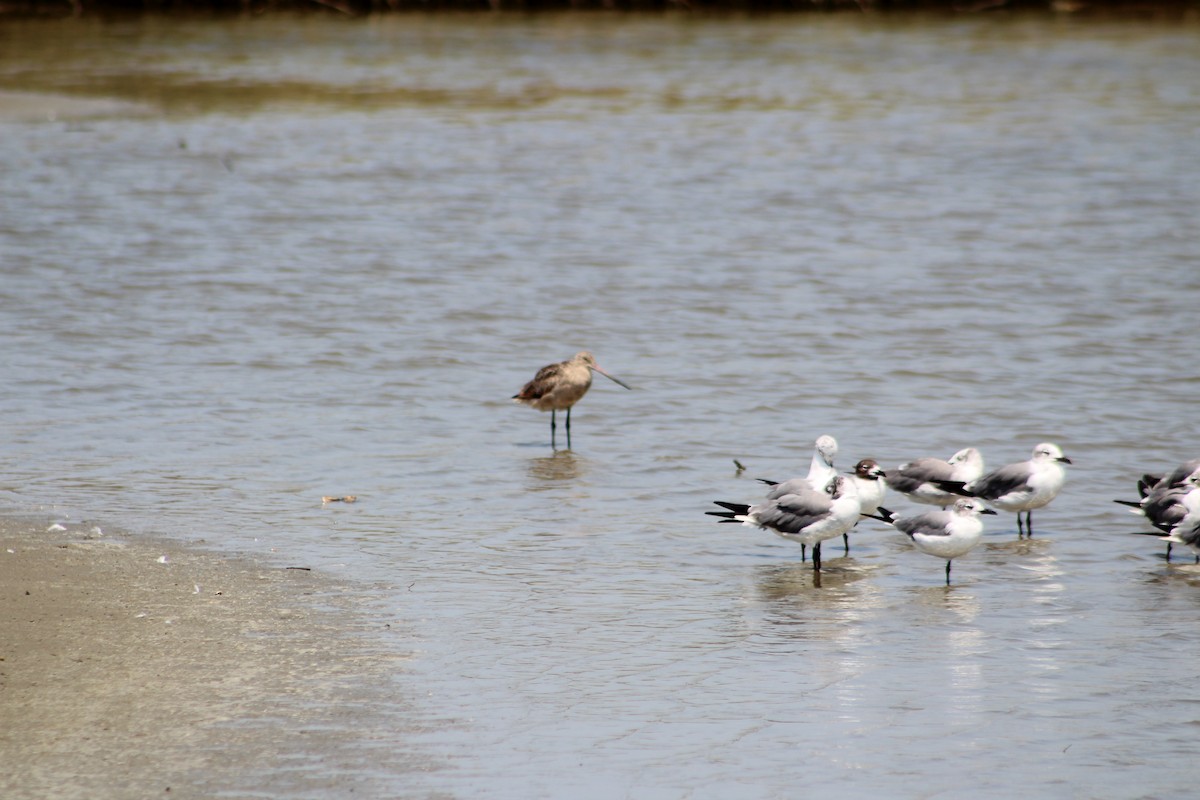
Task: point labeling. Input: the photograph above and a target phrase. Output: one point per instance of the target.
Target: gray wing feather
(909, 477)
(1007, 479)
(931, 523)
(792, 513)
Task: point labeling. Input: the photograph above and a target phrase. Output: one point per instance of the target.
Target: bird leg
(846, 542)
(568, 429)
(1029, 524)
(1020, 527)
(947, 573)
(817, 557)
(553, 425)
(804, 549)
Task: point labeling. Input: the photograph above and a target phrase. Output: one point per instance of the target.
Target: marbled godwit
(559, 386)
(947, 533)
(1019, 487)
(807, 516)
(915, 479)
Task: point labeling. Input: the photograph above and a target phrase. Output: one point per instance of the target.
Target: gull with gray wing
(917, 479)
(805, 516)
(946, 533)
(1020, 487)
(1162, 500)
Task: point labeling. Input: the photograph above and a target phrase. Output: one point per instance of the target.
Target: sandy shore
(134, 669)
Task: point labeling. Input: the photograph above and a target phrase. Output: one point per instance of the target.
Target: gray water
(248, 264)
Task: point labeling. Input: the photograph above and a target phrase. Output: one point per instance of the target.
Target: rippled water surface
(249, 264)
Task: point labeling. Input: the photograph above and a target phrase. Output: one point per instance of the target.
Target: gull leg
(846, 542)
(947, 573)
(817, 557)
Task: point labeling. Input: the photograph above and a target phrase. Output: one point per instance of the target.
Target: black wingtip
(737, 508)
(723, 514)
(885, 517)
(767, 482)
(1129, 503)
(954, 487)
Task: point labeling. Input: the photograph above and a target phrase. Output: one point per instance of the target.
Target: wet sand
(133, 668)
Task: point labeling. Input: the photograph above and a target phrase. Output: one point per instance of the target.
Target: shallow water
(273, 260)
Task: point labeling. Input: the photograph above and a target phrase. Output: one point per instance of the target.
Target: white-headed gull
(1021, 487)
(820, 470)
(915, 480)
(868, 480)
(947, 533)
(820, 473)
(806, 516)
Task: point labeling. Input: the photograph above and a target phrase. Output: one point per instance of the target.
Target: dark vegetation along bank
(60, 8)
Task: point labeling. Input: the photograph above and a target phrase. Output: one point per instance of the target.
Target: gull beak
(1064, 460)
(988, 511)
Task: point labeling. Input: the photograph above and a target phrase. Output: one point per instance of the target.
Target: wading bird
(557, 387)
(1019, 487)
(915, 479)
(947, 533)
(1163, 498)
(806, 516)
(820, 472)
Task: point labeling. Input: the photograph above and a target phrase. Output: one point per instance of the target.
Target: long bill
(612, 378)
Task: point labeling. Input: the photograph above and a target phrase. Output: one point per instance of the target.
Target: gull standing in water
(820, 473)
(1162, 500)
(868, 479)
(557, 387)
(1187, 531)
(916, 479)
(947, 533)
(1020, 487)
(806, 516)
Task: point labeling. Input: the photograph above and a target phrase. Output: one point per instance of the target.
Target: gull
(557, 387)
(806, 516)
(1187, 530)
(820, 472)
(915, 479)
(869, 483)
(1019, 487)
(1162, 500)
(868, 477)
(946, 533)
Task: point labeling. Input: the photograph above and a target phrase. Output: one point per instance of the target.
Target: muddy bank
(136, 669)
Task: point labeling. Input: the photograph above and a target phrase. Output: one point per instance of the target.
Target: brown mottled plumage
(557, 387)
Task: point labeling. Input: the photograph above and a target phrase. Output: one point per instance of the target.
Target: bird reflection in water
(562, 466)
(798, 581)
